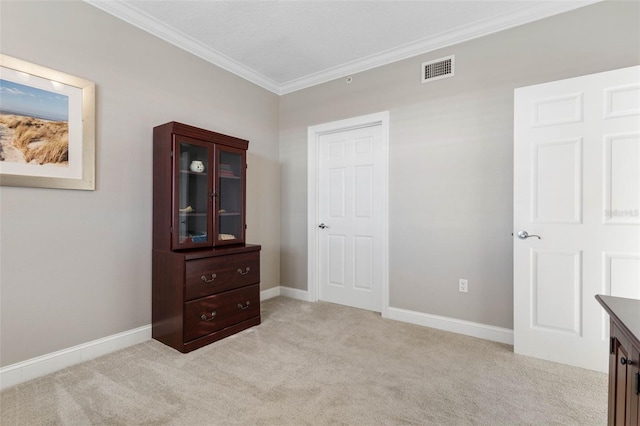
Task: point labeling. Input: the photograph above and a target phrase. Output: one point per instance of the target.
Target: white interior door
(351, 202)
(577, 186)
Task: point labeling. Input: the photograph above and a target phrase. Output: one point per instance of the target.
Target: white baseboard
(269, 293)
(40, 366)
(468, 328)
(20, 372)
(294, 293)
(291, 293)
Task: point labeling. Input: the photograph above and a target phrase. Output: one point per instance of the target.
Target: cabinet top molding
(207, 135)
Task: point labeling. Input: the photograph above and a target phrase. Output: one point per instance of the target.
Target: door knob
(523, 235)
(626, 361)
(322, 226)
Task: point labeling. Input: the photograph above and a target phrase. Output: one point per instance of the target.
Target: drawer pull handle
(625, 361)
(204, 316)
(246, 271)
(243, 307)
(204, 278)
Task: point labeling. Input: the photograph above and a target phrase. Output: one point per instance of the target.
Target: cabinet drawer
(213, 313)
(220, 273)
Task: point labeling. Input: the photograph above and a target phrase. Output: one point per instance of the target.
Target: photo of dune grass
(34, 124)
(33, 140)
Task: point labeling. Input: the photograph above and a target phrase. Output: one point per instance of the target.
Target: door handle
(206, 280)
(523, 235)
(322, 226)
(203, 317)
(626, 361)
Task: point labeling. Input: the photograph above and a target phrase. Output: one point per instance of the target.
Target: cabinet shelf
(189, 172)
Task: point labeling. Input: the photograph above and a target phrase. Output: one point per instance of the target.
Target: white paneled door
(350, 206)
(577, 196)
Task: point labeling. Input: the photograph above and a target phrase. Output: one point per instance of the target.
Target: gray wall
(76, 265)
(451, 155)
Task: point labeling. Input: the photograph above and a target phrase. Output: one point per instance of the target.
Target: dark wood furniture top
(624, 360)
(626, 312)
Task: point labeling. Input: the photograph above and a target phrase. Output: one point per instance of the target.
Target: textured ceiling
(288, 45)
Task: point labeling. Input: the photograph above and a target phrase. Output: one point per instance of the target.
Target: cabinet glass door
(192, 201)
(230, 190)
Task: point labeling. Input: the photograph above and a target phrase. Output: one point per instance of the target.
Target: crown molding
(135, 17)
(530, 13)
(445, 39)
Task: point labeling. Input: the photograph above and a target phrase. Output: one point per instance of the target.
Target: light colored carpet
(315, 364)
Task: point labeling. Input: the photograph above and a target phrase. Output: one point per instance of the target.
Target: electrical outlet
(463, 285)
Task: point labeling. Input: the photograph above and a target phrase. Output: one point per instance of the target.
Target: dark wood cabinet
(624, 360)
(206, 280)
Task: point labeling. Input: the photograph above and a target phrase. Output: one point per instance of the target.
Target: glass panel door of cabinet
(193, 211)
(230, 205)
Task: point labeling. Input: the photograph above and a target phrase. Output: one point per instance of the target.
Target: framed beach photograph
(47, 127)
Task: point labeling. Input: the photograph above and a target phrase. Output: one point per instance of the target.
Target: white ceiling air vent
(438, 69)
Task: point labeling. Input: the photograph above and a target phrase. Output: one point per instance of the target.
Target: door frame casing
(313, 157)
